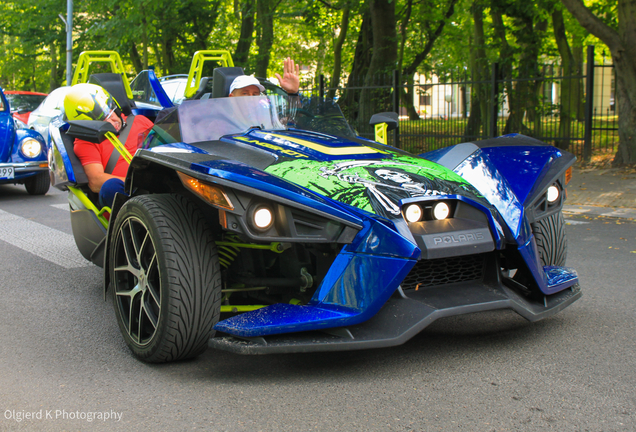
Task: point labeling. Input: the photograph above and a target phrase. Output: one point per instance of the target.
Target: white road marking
(575, 222)
(61, 206)
(48, 243)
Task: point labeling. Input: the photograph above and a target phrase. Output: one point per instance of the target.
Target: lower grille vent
(445, 271)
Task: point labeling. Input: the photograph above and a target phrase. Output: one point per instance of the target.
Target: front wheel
(552, 244)
(38, 184)
(166, 279)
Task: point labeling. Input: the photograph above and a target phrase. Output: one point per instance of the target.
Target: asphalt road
(62, 358)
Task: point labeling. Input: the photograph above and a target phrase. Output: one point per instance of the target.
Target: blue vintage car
(264, 225)
(23, 154)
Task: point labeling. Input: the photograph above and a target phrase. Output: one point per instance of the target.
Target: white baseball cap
(243, 81)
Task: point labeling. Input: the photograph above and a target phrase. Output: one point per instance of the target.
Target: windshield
(320, 115)
(142, 90)
(210, 119)
(24, 102)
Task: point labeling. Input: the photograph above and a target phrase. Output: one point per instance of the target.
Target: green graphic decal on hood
(376, 186)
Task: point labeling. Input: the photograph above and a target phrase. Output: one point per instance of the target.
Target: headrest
(114, 84)
(222, 80)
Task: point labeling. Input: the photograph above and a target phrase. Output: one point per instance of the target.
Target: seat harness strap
(123, 137)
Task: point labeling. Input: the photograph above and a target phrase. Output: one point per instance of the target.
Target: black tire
(38, 184)
(165, 278)
(552, 244)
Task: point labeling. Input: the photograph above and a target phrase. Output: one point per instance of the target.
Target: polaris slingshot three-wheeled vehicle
(258, 225)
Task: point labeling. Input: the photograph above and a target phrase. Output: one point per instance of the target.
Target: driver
(245, 85)
(104, 167)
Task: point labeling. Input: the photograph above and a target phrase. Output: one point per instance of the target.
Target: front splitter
(402, 317)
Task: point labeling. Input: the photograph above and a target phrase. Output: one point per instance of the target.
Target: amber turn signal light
(213, 194)
(568, 175)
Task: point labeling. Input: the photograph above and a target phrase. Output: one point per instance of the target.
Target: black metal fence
(574, 112)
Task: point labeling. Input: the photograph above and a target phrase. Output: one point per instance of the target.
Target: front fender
(20, 136)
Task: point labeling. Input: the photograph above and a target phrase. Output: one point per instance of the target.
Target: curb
(613, 212)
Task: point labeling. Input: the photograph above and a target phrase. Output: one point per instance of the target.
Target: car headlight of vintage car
(31, 148)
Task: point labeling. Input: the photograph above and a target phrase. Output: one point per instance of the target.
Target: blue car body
(23, 154)
(341, 267)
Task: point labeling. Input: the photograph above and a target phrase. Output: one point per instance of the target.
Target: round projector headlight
(263, 218)
(31, 147)
(441, 211)
(553, 194)
(413, 213)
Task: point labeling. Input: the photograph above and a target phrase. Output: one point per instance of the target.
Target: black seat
(222, 80)
(81, 181)
(114, 84)
(203, 88)
(78, 169)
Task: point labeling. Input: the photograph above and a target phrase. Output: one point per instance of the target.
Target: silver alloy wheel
(137, 281)
(165, 277)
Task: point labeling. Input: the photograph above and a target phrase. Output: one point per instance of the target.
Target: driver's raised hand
(290, 81)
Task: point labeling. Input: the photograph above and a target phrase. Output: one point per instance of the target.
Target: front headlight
(553, 194)
(31, 148)
(441, 210)
(428, 211)
(261, 217)
(413, 213)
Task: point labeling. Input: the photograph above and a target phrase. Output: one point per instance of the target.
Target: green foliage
(29, 43)
(166, 33)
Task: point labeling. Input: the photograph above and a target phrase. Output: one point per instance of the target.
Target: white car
(175, 86)
(49, 108)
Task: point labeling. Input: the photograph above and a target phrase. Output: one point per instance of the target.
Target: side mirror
(390, 118)
(90, 130)
(384, 122)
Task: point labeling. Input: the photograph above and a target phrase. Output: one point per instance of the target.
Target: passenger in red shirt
(105, 171)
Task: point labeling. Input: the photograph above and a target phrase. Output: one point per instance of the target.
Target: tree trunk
(320, 56)
(577, 70)
(359, 68)
(167, 44)
(265, 11)
(569, 102)
(242, 52)
(53, 84)
(407, 96)
(506, 56)
(403, 26)
(626, 105)
(384, 57)
(529, 36)
(623, 49)
(337, 53)
(158, 57)
(135, 58)
(479, 72)
(144, 38)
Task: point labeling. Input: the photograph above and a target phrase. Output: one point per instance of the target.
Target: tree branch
(329, 5)
(593, 24)
(410, 69)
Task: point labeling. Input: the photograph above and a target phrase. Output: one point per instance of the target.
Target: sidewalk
(602, 192)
